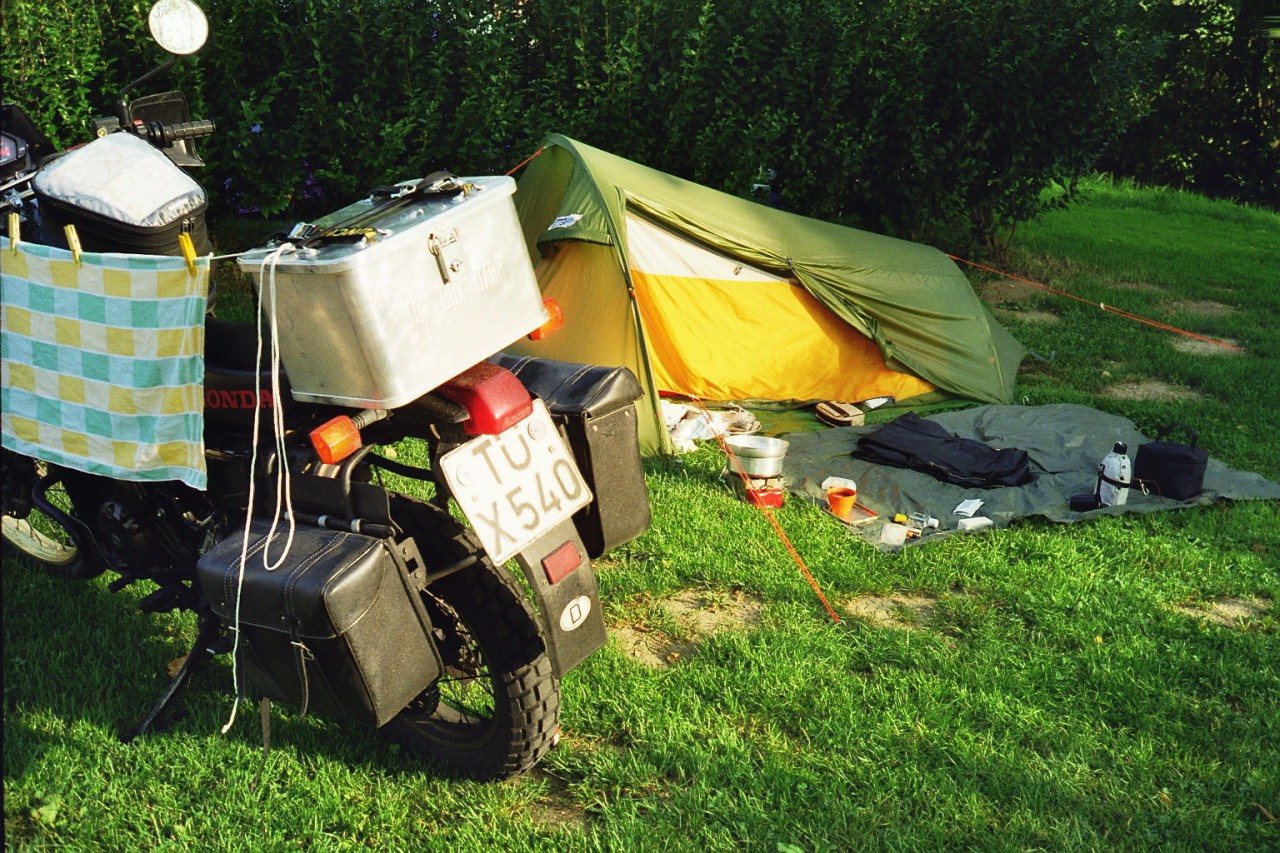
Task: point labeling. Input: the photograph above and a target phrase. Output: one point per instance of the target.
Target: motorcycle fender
(568, 599)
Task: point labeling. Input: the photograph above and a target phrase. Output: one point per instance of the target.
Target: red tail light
(492, 395)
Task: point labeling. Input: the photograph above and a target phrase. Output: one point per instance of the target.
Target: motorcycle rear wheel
(496, 708)
(41, 541)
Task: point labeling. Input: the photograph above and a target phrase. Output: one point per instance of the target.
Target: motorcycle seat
(582, 390)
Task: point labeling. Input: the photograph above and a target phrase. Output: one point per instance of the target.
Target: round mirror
(178, 26)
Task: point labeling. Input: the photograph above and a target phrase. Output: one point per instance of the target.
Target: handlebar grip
(164, 135)
(192, 129)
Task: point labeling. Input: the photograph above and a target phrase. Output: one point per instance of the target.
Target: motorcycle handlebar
(164, 135)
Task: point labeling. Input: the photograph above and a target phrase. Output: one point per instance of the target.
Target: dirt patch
(1195, 346)
(644, 644)
(1008, 292)
(1030, 316)
(1229, 612)
(893, 611)
(1150, 390)
(708, 613)
(557, 807)
(1203, 307)
(696, 615)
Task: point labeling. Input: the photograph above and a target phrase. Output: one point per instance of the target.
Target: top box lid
(334, 255)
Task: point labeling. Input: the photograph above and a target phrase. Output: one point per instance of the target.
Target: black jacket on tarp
(910, 441)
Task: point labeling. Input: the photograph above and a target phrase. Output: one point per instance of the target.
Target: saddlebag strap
(264, 718)
(301, 657)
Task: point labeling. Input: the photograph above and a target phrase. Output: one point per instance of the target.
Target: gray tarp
(1065, 443)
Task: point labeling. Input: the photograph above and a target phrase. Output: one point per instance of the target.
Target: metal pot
(757, 455)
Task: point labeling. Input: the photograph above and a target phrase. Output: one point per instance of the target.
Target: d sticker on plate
(575, 613)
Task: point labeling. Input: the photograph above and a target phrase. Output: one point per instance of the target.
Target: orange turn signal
(553, 324)
(336, 439)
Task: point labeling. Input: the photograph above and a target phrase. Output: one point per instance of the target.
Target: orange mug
(841, 500)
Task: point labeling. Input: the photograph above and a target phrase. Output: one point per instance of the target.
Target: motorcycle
(357, 600)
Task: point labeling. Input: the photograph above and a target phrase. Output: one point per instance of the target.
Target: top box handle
(437, 184)
(386, 198)
(1195, 439)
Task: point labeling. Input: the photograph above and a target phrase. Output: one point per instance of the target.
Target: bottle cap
(1121, 447)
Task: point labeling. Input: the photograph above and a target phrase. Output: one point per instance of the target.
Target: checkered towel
(104, 362)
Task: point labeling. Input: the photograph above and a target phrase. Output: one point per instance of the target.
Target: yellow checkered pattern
(103, 367)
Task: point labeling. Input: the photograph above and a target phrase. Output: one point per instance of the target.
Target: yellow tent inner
(722, 330)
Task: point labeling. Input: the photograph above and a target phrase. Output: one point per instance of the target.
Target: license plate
(515, 486)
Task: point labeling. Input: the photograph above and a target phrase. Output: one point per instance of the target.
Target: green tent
(705, 294)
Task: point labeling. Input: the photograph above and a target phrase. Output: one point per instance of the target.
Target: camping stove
(761, 491)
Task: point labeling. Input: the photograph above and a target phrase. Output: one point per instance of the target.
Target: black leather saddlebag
(594, 407)
(337, 629)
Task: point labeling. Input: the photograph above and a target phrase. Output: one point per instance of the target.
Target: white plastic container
(894, 535)
(1117, 469)
(377, 323)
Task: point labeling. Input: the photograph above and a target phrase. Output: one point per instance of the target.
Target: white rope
(284, 488)
(268, 278)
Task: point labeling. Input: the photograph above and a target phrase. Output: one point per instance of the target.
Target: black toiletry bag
(1171, 470)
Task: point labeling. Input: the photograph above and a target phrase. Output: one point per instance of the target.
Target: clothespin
(188, 251)
(73, 242)
(15, 231)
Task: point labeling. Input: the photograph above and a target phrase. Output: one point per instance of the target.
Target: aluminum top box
(434, 285)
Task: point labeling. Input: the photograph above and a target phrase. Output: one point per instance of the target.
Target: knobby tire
(491, 649)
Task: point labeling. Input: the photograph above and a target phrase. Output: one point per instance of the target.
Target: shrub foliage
(1213, 125)
(941, 121)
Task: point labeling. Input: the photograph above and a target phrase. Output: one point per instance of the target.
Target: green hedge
(1214, 124)
(937, 121)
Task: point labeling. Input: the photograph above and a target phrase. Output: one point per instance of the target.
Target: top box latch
(448, 253)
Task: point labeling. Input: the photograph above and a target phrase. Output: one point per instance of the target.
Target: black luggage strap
(302, 656)
(386, 198)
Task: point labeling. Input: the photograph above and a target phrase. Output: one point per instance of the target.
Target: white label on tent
(565, 221)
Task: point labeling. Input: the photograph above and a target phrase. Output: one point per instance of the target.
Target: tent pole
(655, 406)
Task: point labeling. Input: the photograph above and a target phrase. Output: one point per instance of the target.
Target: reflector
(561, 561)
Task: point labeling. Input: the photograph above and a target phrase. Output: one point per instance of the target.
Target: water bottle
(1114, 475)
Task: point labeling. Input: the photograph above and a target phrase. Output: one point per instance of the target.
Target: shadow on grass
(82, 666)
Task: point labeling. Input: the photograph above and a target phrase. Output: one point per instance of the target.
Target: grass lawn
(1107, 685)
